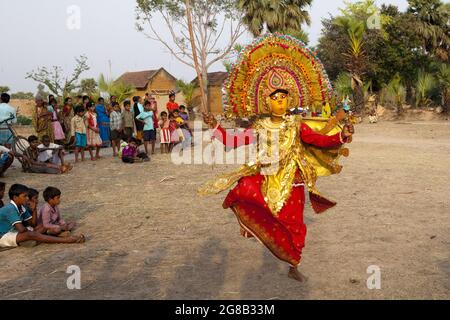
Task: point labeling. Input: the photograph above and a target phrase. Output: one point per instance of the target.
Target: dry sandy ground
(158, 240)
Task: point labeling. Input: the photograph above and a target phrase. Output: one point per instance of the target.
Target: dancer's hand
(348, 131)
(209, 119)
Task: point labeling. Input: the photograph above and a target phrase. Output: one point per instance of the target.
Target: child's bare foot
(93, 159)
(296, 275)
(98, 157)
(64, 234)
(78, 239)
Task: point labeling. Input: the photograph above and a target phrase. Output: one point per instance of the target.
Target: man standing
(6, 112)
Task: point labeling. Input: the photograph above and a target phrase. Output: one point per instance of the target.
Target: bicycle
(19, 144)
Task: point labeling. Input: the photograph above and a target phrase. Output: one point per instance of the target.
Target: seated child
(32, 163)
(51, 152)
(13, 230)
(131, 154)
(50, 216)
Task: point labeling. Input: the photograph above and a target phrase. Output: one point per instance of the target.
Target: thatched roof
(140, 79)
(215, 78)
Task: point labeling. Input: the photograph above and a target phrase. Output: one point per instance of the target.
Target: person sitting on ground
(13, 232)
(6, 159)
(52, 153)
(50, 216)
(131, 154)
(31, 161)
(2, 193)
(31, 210)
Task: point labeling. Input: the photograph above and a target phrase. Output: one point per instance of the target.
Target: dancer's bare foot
(296, 275)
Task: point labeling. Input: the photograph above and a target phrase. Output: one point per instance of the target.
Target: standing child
(58, 132)
(137, 109)
(12, 229)
(164, 124)
(93, 132)
(78, 130)
(146, 118)
(127, 121)
(116, 127)
(50, 216)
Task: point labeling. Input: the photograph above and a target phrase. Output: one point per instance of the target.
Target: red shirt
(171, 106)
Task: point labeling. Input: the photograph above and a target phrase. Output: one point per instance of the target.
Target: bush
(24, 121)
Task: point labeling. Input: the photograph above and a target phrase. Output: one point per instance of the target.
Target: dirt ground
(149, 239)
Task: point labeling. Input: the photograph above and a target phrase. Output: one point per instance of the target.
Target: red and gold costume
(292, 153)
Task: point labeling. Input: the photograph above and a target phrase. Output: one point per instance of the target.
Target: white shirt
(46, 155)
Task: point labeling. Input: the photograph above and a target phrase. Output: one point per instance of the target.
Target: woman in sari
(42, 120)
(103, 122)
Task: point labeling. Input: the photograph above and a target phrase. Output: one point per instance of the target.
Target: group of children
(22, 222)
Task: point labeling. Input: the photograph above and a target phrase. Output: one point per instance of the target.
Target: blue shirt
(5, 112)
(147, 117)
(9, 216)
(102, 116)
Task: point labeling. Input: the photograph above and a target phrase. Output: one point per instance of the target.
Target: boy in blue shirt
(146, 118)
(14, 228)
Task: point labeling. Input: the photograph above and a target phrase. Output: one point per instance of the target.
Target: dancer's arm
(309, 136)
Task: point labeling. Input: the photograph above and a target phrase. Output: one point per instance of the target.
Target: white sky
(35, 33)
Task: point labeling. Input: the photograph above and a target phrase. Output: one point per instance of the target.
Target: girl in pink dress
(164, 125)
(58, 132)
(93, 132)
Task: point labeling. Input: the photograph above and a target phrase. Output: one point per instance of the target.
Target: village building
(215, 92)
(158, 83)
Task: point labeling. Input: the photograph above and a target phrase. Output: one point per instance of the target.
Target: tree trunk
(200, 78)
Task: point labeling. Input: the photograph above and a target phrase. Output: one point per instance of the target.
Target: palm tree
(424, 86)
(443, 79)
(395, 93)
(343, 86)
(433, 25)
(115, 88)
(187, 89)
(355, 55)
(276, 16)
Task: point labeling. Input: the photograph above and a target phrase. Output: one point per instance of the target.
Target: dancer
(293, 152)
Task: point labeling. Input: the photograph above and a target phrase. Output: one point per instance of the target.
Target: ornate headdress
(272, 62)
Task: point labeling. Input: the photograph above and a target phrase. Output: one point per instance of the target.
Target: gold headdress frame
(270, 62)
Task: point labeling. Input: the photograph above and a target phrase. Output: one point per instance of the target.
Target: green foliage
(443, 80)
(343, 86)
(394, 93)
(23, 95)
(424, 86)
(24, 121)
(55, 80)
(187, 88)
(4, 89)
(276, 16)
(115, 88)
(88, 86)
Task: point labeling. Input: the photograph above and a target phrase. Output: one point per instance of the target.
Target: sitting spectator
(13, 231)
(2, 193)
(6, 159)
(131, 154)
(50, 216)
(32, 164)
(51, 152)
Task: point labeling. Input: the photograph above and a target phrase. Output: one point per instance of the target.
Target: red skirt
(284, 234)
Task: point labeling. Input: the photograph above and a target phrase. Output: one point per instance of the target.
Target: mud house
(215, 84)
(158, 83)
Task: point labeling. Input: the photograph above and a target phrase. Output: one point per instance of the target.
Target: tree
(284, 17)
(114, 88)
(355, 59)
(23, 95)
(88, 86)
(54, 79)
(187, 89)
(443, 79)
(4, 89)
(41, 93)
(424, 86)
(211, 21)
(432, 23)
(394, 93)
